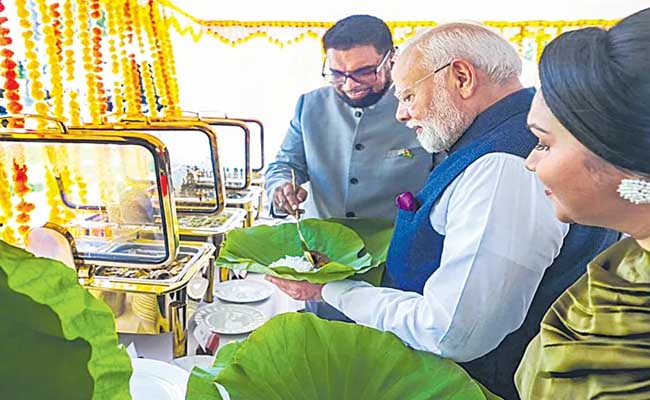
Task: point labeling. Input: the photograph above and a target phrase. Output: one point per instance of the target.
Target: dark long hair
(597, 84)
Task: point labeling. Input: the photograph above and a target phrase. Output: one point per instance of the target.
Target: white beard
(443, 125)
(432, 141)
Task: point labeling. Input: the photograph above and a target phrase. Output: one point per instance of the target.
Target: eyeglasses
(406, 98)
(366, 75)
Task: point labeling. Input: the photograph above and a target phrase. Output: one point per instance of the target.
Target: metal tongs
(303, 243)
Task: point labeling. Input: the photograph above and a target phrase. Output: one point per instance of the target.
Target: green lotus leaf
(254, 249)
(376, 234)
(58, 341)
(299, 356)
(201, 385)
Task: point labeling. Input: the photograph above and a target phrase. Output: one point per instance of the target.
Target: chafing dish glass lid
(110, 193)
(234, 154)
(193, 156)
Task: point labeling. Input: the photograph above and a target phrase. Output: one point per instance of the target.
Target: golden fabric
(594, 342)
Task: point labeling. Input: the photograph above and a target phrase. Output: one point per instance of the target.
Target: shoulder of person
(496, 166)
(321, 94)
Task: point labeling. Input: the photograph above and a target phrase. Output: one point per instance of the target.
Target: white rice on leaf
(298, 263)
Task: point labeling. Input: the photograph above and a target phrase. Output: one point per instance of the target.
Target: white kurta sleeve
(500, 235)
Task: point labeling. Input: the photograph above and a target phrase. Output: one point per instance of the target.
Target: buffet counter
(159, 347)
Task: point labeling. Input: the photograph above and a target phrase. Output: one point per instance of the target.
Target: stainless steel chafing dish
(235, 136)
(241, 158)
(234, 157)
(196, 177)
(256, 129)
(108, 194)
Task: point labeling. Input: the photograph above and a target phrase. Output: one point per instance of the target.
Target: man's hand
(298, 290)
(286, 200)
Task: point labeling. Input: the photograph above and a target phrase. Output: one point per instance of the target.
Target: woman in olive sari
(592, 117)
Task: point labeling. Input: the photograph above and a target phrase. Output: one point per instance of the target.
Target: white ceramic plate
(243, 290)
(189, 362)
(153, 379)
(230, 319)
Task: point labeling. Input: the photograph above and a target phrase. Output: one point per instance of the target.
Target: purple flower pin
(406, 201)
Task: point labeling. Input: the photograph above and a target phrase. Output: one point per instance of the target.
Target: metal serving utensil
(303, 243)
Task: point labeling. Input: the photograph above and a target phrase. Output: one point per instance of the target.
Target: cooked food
(320, 259)
(299, 263)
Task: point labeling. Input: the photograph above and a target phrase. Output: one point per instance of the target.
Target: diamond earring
(635, 191)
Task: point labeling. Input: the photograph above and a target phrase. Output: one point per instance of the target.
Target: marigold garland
(69, 61)
(8, 67)
(6, 212)
(73, 174)
(199, 28)
(36, 91)
(132, 84)
(166, 59)
(145, 73)
(160, 82)
(53, 58)
(59, 213)
(83, 18)
(21, 189)
(112, 25)
(57, 72)
(97, 33)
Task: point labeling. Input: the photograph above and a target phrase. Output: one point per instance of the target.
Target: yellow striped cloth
(594, 342)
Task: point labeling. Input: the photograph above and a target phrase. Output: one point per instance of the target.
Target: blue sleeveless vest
(416, 248)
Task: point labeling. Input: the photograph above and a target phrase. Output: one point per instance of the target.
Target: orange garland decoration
(7, 68)
(22, 188)
(144, 71)
(6, 212)
(160, 81)
(129, 65)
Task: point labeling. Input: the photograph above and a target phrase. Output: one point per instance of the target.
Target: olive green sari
(594, 342)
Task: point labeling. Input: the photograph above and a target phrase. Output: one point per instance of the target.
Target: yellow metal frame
(151, 143)
(142, 124)
(214, 122)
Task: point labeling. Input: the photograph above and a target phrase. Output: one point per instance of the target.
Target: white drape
(261, 80)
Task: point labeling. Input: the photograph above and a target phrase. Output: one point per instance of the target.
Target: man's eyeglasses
(406, 96)
(366, 75)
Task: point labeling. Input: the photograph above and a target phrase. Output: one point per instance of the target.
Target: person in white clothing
(471, 249)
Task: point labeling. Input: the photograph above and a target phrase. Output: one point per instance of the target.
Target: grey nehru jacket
(356, 160)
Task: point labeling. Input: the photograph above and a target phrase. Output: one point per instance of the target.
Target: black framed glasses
(366, 75)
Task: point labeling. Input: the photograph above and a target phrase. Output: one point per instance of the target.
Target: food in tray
(235, 195)
(165, 273)
(202, 221)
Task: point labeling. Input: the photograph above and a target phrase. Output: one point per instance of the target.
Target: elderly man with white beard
(477, 256)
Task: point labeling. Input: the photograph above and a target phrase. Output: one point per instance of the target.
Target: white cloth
(501, 234)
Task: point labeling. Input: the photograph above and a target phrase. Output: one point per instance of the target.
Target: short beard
(366, 101)
(443, 125)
